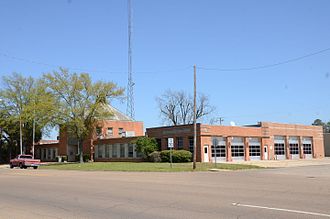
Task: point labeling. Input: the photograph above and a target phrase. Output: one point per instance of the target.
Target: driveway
(293, 192)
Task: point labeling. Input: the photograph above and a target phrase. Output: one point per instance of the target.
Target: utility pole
(195, 128)
(34, 130)
(20, 134)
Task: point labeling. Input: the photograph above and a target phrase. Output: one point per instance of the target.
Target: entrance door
(72, 151)
(206, 154)
(265, 152)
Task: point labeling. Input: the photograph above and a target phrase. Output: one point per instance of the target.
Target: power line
(5, 55)
(268, 65)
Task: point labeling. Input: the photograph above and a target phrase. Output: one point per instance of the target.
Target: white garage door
(237, 149)
(279, 147)
(254, 149)
(218, 151)
(308, 149)
(294, 147)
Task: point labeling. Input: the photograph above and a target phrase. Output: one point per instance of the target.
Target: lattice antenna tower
(130, 85)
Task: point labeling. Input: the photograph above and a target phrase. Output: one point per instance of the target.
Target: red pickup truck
(24, 161)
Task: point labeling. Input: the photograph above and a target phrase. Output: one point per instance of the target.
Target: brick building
(264, 141)
(118, 130)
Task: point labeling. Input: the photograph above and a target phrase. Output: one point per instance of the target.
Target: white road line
(282, 209)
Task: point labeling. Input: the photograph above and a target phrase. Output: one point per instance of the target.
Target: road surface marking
(282, 209)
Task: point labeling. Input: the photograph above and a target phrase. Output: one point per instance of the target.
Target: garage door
(294, 147)
(279, 147)
(308, 149)
(254, 148)
(218, 149)
(237, 149)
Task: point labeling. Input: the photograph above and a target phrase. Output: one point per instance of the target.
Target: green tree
(22, 101)
(146, 145)
(326, 126)
(79, 102)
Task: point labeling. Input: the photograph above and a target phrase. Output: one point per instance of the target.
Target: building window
(98, 131)
(114, 150)
(120, 132)
(106, 151)
(100, 151)
(279, 148)
(307, 148)
(122, 150)
(220, 149)
(110, 132)
(294, 148)
(179, 143)
(237, 150)
(159, 143)
(130, 150)
(191, 144)
(254, 150)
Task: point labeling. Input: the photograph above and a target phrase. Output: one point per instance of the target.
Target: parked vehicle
(24, 161)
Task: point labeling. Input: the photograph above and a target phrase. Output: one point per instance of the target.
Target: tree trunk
(81, 156)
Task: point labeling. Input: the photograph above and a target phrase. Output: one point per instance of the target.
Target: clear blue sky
(168, 37)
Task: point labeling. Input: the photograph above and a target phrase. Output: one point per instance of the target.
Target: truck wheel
(11, 166)
(35, 168)
(20, 165)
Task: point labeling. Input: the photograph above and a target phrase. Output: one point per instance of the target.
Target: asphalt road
(296, 192)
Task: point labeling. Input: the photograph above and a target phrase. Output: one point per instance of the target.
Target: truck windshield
(25, 157)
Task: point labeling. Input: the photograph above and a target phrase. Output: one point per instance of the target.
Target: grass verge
(146, 167)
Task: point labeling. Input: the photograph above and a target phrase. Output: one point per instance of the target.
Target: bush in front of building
(178, 156)
(154, 157)
(86, 157)
(146, 146)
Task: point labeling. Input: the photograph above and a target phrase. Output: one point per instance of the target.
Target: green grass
(145, 167)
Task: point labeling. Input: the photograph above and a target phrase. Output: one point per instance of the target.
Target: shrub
(86, 157)
(145, 145)
(154, 157)
(178, 156)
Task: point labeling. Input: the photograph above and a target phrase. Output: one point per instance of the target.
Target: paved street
(295, 192)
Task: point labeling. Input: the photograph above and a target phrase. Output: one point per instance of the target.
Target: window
(100, 151)
(122, 150)
(98, 131)
(159, 143)
(220, 149)
(107, 151)
(114, 150)
(294, 148)
(130, 150)
(307, 148)
(179, 143)
(120, 131)
(279, 148)
(254, 150)
(110, 131)
(237, 151)
(191, 144)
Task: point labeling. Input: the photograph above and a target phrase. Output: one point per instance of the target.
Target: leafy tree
(177, 107)
(23, 99)
(326, 126)
(146, 145)
(79, 102)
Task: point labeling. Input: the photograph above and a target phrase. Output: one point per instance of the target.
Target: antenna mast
(130, 86)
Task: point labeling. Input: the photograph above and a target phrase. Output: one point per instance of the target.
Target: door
(206, 154)
(265, 152)
(72, 151)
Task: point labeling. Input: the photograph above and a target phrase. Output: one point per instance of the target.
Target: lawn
(145, 167)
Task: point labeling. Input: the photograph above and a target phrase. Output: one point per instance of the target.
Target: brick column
(287, 148)
(301, 148)
(262, 144)
(246, 149)
(228, 149)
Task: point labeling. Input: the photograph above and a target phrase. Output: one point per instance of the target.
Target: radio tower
(130, 85)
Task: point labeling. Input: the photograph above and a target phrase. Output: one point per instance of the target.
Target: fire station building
(264, 141)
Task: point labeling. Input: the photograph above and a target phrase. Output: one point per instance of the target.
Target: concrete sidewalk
(288, 163)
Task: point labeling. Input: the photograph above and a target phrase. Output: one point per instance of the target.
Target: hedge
(178, 156)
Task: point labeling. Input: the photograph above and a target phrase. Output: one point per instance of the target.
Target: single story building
(264, 141)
